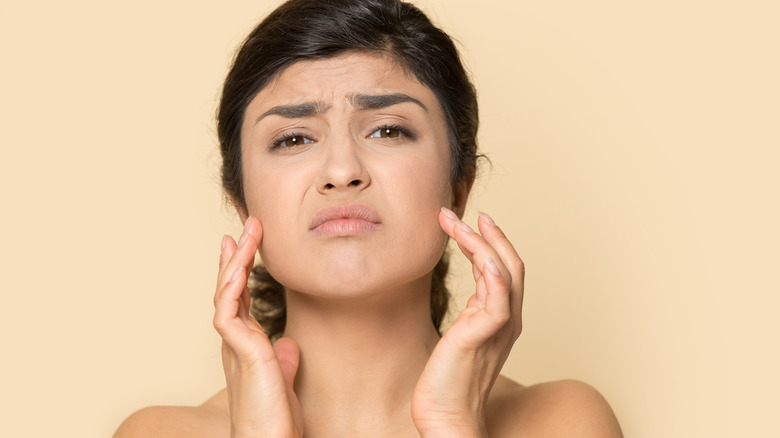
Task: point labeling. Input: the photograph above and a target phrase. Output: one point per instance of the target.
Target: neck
(361, 357)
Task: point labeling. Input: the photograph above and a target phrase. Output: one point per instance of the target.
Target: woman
(348, 136)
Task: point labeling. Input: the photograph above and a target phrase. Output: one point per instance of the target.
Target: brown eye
(387, 132)
(292, 141)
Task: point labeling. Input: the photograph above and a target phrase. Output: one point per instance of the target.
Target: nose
(342, 169)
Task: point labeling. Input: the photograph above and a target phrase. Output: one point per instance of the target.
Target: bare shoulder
(207, 420)
(563, 408)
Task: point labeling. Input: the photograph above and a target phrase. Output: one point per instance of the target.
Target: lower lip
(345, 227)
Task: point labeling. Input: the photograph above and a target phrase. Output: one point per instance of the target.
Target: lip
(345, 220)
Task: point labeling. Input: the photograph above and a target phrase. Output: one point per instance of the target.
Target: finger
(248, 262)
(288, 354)
(448, 221)
(483, 321)
(477, 249)
(250, 237)
(498, 303)
(228, 248)
(468, 254)
(231, 298)
(481, 291)
(244, 255)
(495, 312)
(498, 240)
(227, 306)
(493, 234)
(243, 307)
(253, 228)
(472, 302)
(223, 258)
(246, 300)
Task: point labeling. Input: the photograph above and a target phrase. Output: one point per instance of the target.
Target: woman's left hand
(452, 392)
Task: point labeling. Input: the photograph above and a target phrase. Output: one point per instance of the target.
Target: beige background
(634, 149)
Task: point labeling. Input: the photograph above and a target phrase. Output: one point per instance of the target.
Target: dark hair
(318, 29)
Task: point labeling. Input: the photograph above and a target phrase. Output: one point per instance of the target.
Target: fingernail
(224, 240)
(236, 273)
(246, 224)
(462, 225)
(488, 220)
(491, 265)
(447, 212)
(242, 239)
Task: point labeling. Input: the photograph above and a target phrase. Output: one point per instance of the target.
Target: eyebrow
(366, 101)
(295, 111)
(361, 101)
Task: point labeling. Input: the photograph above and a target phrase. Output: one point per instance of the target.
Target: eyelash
(401, 130)
(278, 143)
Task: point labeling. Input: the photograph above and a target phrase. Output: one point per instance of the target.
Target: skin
(360, 356)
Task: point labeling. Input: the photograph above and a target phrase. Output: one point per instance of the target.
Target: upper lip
(349, 211)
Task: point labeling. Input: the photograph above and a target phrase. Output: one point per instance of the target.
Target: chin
(359, 280)
(354, 270)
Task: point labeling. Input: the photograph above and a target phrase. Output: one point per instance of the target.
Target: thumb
(288, 354)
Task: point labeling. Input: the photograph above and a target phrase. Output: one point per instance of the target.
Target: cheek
(428, 181)
(279, 246)
(272, 189)
(269, 199)
(425, 190)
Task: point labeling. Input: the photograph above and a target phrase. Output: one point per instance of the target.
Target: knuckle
(221, 325)
(517, 267)
(501, 318)
(219, 296)
(517, 329)
(498, 233)
(509, 278)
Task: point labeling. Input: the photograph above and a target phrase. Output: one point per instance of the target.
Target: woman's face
(346, 164)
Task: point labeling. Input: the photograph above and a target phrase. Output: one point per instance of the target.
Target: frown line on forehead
(358, 100)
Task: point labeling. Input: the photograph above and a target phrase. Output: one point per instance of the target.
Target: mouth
(345, 220)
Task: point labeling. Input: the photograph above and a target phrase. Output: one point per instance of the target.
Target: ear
(240, 208)
(461, 193)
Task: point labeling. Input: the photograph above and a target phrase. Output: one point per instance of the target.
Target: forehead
(333, 81)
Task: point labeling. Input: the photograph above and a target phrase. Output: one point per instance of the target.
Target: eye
(292, 140)
(389, 132)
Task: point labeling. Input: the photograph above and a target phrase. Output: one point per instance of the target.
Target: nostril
(355, 183)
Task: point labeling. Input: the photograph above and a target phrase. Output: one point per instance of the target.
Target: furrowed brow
(365, 101)
(295, 111)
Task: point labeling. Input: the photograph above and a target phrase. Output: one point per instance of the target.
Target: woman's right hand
(259, 375)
